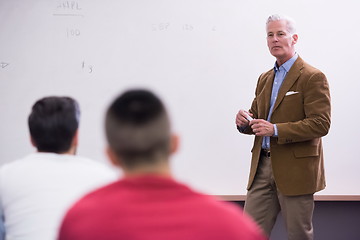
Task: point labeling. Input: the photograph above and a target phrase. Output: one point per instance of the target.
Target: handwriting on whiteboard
(68, 9)
(72, 5)
(4, 64)
(73, 32)
(85, 67)
(160, 26)
(188, 27)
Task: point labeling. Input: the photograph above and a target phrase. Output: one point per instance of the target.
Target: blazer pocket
(293, 97)
(310, 151)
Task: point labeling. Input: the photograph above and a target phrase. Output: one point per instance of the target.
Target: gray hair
(290, 23)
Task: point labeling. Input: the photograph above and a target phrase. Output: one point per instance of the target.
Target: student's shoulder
(15, 164)
(96, 199)
(216, 206)
(224, 206)
(92, 164)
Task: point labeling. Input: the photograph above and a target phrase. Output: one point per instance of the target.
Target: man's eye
(281, 34)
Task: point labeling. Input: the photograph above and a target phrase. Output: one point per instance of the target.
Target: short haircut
(290, 23)
(53, 123)
(138, 128)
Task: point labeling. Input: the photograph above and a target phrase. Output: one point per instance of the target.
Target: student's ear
(174, 143)
(114, 160)
(74, 143)
(32, 141)
(75, 140)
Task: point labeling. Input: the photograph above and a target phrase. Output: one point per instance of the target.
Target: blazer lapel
(267, 93)
(289, 81)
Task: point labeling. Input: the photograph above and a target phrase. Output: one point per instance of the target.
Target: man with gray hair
(288, 116)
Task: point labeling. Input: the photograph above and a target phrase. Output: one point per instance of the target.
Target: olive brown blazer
(302, 116)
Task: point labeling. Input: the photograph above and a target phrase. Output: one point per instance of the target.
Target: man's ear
(174, 143)
(114, 159)
(295, 38)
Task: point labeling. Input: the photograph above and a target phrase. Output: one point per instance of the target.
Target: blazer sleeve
(253, 109)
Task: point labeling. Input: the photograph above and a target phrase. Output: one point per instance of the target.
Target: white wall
(203, 57)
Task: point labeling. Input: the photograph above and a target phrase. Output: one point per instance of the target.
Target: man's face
(280, 42)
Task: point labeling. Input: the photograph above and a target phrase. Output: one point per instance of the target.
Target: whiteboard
(202, 57)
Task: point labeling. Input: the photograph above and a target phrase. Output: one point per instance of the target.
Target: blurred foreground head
(53, 124)
(138, 131)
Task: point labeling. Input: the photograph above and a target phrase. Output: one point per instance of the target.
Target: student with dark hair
(36, 191)
(53, 124)
(148, 203)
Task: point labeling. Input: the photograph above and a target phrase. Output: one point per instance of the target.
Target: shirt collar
(288, 64)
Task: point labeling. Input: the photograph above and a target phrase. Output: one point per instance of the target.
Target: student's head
(138, 131)
(53, 124)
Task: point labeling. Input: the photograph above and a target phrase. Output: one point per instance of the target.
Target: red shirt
(154, 208)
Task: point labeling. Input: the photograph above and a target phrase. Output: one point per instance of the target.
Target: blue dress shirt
(280, 74)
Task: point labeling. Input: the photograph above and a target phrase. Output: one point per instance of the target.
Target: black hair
(53, 123)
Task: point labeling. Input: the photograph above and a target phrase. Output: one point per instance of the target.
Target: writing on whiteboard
(188, 27)
(160, 26)
(86, 67)
(69, 5)
(4, 64)
(165, 26)
(68, 9)
(73, 32)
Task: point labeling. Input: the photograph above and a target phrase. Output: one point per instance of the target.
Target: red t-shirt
(154, 208)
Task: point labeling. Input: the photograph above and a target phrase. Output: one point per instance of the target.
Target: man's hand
(262, 127)
(241, 119)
